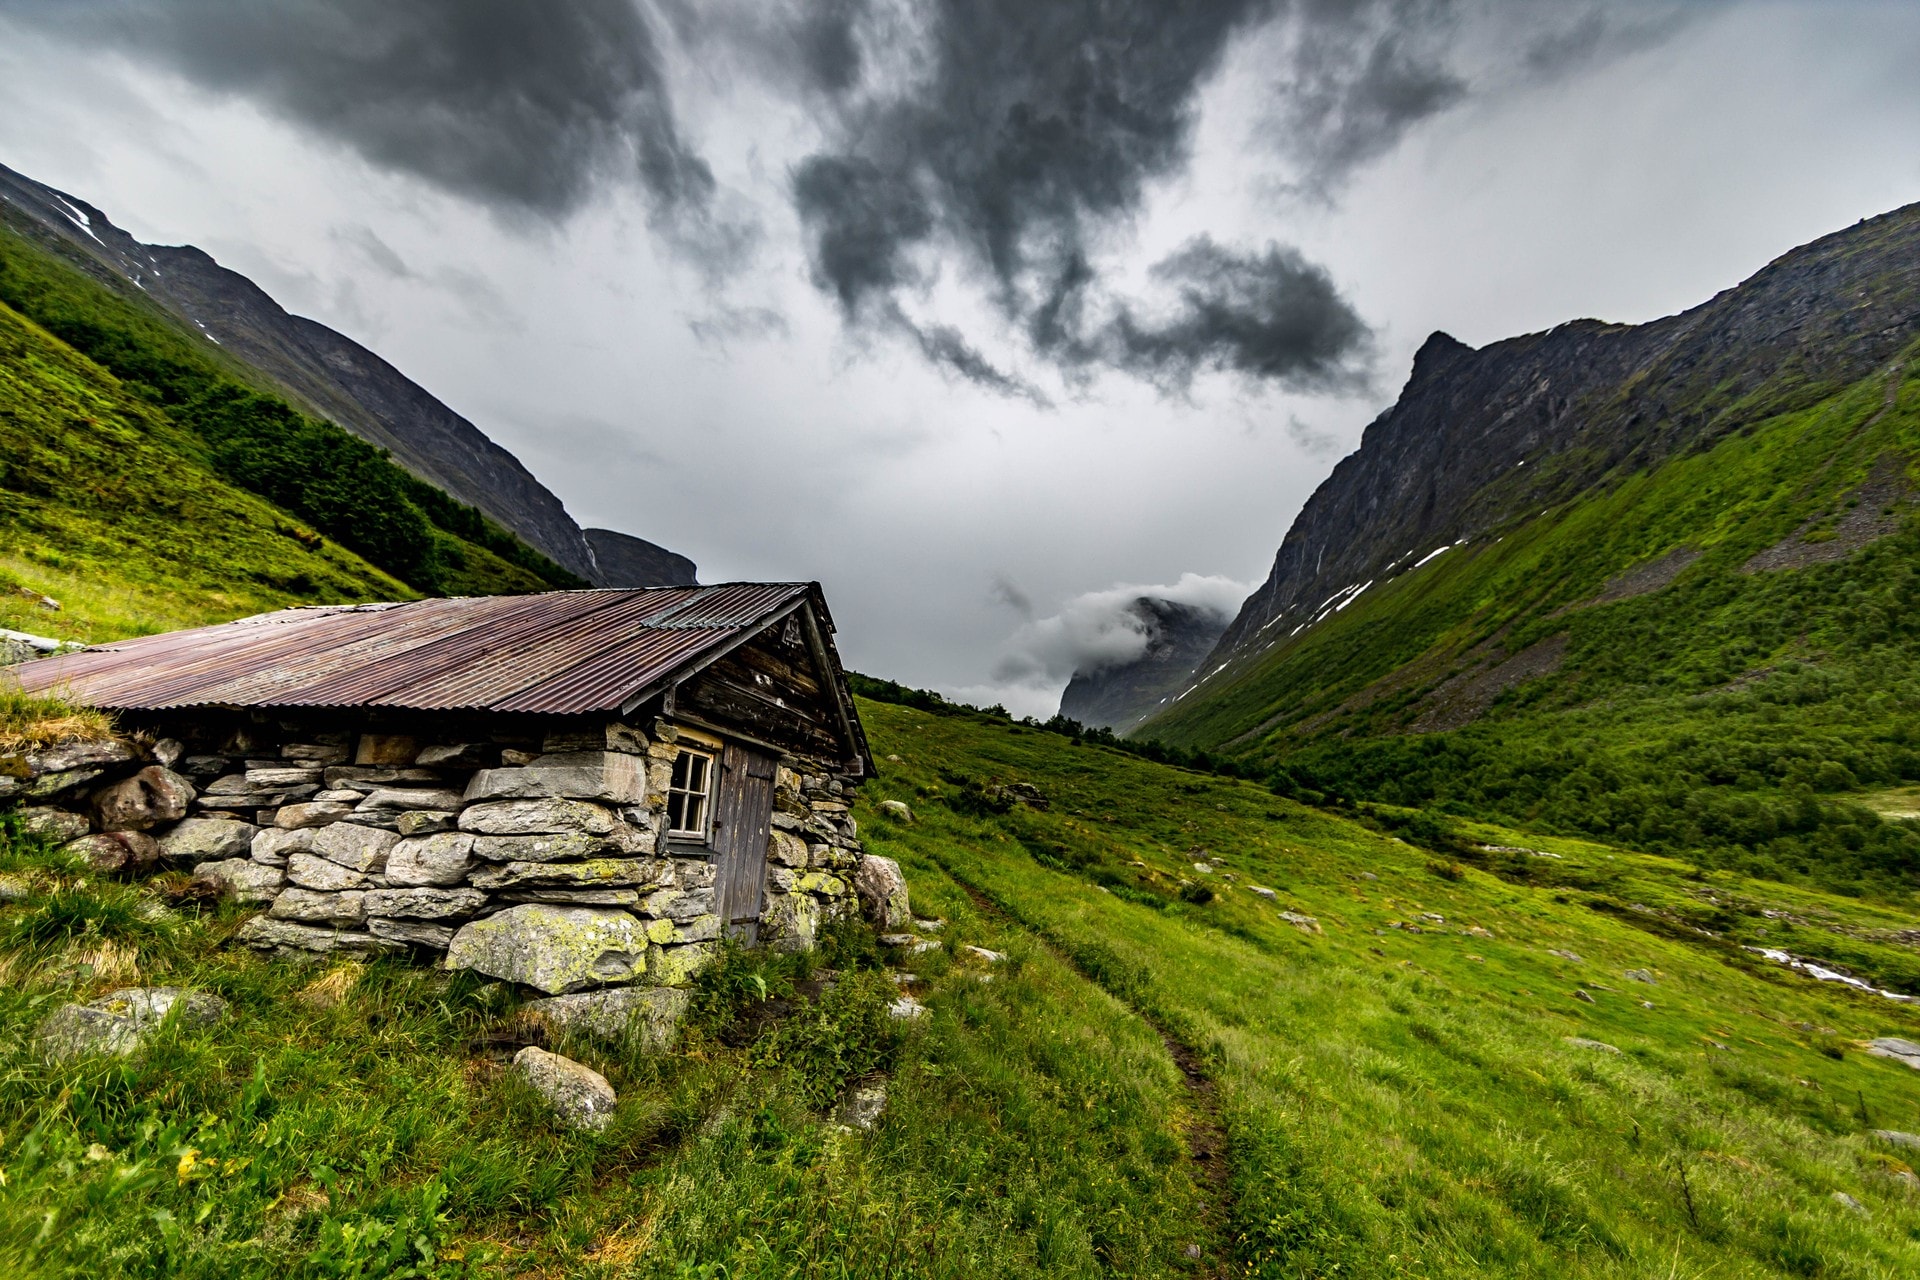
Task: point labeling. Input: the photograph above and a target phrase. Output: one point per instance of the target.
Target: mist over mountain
(1120, 694)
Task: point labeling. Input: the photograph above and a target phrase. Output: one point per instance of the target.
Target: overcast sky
(975, 312)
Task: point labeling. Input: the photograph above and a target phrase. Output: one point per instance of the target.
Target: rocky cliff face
(1120, 697)
(1479, 437)
(325, 372)
(627, 561)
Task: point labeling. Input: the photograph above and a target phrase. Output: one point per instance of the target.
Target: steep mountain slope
(1121, 696)
(107, 508)
(324, 372)
(1690, 621)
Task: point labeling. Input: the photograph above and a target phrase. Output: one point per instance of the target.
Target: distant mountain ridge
(332, 376)
(1120, 696)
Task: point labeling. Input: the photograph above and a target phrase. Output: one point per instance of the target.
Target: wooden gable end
(770, 690)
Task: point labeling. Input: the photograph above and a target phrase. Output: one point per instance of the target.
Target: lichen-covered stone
(679, 904)
(324, 874)
(120, 1021)
(208, 839)
(787, 850)
(648, 1014)
(241, 879)
(883, 892)
(791, 921)
(608, 776)
(356, 847)
(421, 822)
(113, 853)
(575, 897)
(537, 817)
(594, 873)
(56, 825)
(580, 1096)
(391, 802)
(824, 883)
(677, 966)
(442, 859)
(425, 903)
(557, 949)
(344, 909)
(274, 845)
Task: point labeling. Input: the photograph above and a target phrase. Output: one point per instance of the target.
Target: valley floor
(1543, 1058)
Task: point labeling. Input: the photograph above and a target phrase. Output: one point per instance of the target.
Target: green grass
(1396, 1103)
(1731, 716)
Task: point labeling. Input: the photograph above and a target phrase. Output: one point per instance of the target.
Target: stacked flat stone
(544, 862)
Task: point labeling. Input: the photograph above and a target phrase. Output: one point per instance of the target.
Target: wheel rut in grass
(1206, 1135)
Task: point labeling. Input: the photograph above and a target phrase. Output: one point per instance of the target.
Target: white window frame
(703, 831)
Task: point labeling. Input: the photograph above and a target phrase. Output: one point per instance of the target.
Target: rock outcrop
(119, 1022)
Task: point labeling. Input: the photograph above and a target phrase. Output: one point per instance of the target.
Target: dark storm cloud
(1026, 133)
(524, 107)
(1271, 315)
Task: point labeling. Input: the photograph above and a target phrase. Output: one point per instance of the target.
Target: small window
(687, 795)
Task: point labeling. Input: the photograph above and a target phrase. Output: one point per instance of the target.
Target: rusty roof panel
(560, 652)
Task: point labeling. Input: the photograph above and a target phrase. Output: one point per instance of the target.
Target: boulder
(1581, 1042)
(413, 933)
(208, 839)
(56, 825)
(883, 892)
(310, 872)
(906, 1007)
(649, 1014)
(897, 810)
(120, 1021)
(862, 1107)
(69, 757)
(274, 845)
(425, 903)
(579, 1095)
(359, 848)
(265, 933)
(441, 859)
(673, 932)
(314, 813)
(557, 949)
(537, 817)
(981, 953)
(607, 776)
(280, 777)
(1895, 1138)
(117, 853)
(1902, 1051)
(1304, 923)
(241, 879)
(308, 906)
(594, 873)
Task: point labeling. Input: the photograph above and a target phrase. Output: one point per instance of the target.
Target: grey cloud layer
(521, 106)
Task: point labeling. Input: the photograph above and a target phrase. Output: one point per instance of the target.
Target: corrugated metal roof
(560, 652)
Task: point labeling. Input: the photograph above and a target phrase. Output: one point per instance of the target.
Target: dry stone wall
(539, 858)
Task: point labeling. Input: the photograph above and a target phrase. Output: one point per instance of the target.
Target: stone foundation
(535, 853)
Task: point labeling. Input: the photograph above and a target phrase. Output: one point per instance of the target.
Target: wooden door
(742, 825)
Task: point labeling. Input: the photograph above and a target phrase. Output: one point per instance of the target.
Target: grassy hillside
(232, 424)
(1717, 658)
(1385, 1089)
(106, 507)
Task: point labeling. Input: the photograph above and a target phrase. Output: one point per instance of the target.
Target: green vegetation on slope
(1397, 1101)
(343, 487)
(1727, 716)
(106, 507)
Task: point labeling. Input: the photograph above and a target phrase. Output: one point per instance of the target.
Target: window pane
(697, 772)
(677, 810)
(682, 764)
(696, 813)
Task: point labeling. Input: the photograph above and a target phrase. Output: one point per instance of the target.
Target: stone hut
(571, 790)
